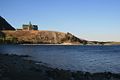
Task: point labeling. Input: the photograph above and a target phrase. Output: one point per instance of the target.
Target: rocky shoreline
(14, 67)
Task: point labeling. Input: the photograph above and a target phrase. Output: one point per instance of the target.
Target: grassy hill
(39, 37)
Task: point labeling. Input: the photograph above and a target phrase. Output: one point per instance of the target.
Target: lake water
(83, 58)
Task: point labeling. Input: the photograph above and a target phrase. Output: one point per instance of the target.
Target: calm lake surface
(83, 58)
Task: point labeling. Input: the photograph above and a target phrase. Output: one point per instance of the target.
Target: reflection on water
(85, 58)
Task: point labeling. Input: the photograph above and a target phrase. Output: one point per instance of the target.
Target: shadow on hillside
(2, 37)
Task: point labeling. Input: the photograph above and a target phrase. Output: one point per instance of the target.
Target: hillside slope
(39, 37)
(4, 25)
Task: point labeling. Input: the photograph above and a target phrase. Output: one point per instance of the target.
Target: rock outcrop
(41, 37)
(4, 25)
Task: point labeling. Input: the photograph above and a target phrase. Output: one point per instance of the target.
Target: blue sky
(87, 19)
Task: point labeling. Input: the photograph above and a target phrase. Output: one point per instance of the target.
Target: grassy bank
(13, 67)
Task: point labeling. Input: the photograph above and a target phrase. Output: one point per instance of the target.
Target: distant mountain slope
(4, 25)
(41, 37)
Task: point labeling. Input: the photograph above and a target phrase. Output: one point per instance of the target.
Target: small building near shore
(29, 27)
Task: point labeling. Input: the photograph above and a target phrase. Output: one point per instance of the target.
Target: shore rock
(14, 67)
